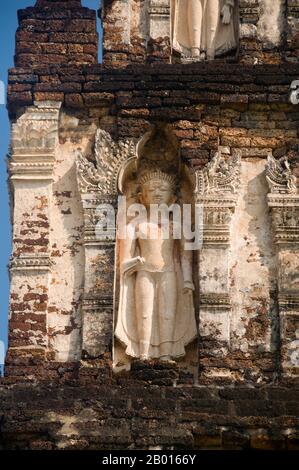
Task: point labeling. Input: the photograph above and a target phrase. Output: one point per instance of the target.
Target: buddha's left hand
(226, 14)
(188, 287)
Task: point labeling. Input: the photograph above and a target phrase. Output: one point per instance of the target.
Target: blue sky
(8, 26)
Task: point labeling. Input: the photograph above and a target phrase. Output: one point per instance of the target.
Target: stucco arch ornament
(101, 175)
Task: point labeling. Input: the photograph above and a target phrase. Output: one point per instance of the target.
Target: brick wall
(144, 409)
(56, 33)
(231, 105)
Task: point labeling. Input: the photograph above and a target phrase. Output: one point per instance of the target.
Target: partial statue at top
(204, 29)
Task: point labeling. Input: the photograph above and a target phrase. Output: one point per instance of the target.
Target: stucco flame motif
(279, 176)
(101, 175)
(221, 175)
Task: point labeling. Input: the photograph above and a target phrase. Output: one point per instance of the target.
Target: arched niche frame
(157, 150)
(101, 180)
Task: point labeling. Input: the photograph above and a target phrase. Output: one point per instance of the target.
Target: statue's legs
(167, 299)
(195, 14)
(145, 287)
(212, 19)
(155, 291)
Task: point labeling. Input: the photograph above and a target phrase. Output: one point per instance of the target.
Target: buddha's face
(157, 192)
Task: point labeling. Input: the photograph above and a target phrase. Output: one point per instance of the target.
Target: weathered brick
(48, 96)
(93, 99)
(74, 100)
(76, 38)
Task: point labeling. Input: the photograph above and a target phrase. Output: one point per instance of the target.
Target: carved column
(116, 21)
(159, 30)
(216, 191)
(97, 182)
(33, 145)
(283, 201)
(291, 29)
(159, 17)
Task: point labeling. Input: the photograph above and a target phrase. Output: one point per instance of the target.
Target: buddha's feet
(167, 359)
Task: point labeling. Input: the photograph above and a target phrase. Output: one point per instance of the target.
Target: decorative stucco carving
(29, 263)
(34, 134)
(94, 303)
(159, 18)
(36, 131)
(34, 139)
(217, 301)
(93, 229)
(279, 176)
(217, 190)
(159, 7)
(97, 182)
(31, 170)
(220, 176)
(101, 176)
(283, 201)
(31, 166)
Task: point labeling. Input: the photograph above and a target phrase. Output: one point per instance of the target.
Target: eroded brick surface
(91, 409)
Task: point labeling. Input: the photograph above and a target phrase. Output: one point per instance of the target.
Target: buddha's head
(157, 187)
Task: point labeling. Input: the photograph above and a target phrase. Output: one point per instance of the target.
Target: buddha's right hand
(130, 266)
(226, 14)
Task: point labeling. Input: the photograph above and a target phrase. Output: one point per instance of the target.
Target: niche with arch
(158, 151)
